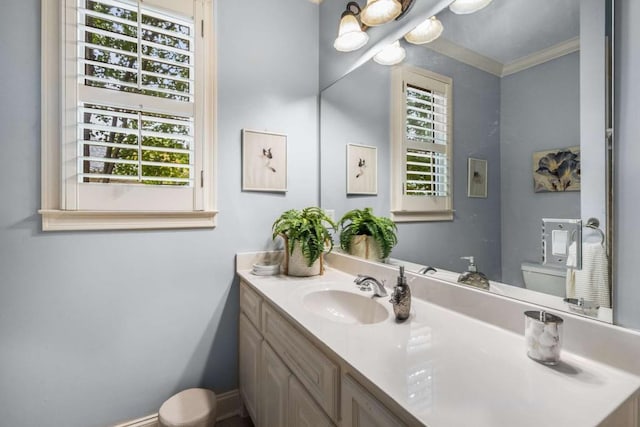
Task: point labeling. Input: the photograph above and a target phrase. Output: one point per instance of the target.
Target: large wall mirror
(529, 79)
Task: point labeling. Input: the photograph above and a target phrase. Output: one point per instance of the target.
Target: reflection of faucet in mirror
(472, 276)
(364, 283)
(425, 270)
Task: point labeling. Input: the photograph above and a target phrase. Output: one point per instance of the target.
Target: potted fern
(368, 236)
(306, 235)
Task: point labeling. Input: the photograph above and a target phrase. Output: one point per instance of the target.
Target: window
(127, 138)
(421, 146)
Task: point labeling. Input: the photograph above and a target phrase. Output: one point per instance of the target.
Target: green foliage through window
(153, 57)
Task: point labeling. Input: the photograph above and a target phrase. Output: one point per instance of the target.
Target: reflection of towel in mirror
(590, 283)
(572, 262)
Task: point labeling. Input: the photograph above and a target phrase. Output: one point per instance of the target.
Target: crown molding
(464, 55)
(542, 56)
(484, 63)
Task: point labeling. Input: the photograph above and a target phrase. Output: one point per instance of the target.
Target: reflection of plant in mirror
(364, 222)
(309, 228)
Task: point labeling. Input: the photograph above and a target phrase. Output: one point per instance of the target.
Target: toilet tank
(543, 278)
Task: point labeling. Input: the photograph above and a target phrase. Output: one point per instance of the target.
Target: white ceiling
(508, 30)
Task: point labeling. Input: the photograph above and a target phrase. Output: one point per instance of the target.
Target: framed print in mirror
(477, 178)
(264, 161)
(556, 170)
(362, 169)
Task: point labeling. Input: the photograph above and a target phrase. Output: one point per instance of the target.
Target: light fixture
(463, 7)
(391, 55)
(426, 32)
(378, 12)
(350, 34)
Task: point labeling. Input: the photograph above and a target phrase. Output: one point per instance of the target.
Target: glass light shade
(391, 55)
(463, 7)
(378, 12)
(426, 32)
(350, 35)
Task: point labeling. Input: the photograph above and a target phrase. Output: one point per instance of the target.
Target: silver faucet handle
(365, 287)
(359, 278)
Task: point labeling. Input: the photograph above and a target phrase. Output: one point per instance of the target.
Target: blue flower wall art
(556, 170)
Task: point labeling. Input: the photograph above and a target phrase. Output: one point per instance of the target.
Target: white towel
(591, 283)
(572, 261)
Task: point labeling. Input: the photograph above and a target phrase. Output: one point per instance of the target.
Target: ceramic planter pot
(296, 264)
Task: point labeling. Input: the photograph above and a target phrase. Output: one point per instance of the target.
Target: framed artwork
(556, 170)
(362, 169)
(477, 178)
(264, 161)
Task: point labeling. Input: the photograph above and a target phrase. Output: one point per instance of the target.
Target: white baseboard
(148, 421)
(228, 406)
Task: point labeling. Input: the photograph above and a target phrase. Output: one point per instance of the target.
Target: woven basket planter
(366, 247)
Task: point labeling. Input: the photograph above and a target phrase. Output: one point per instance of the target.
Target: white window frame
(406, 208)
(57, 213)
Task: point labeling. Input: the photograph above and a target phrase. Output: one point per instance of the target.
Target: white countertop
(448, 369)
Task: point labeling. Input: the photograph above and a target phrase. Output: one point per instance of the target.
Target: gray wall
(101, 327)
(365, 119)
(626, 295)
(475, 229)
(355, 110)
(540, 110)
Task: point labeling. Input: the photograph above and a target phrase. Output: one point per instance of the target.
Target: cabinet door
(303, 410)
(274, 389)
(249, 343)
(361, 409)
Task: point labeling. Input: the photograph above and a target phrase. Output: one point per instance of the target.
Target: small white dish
(265, 272)
(266, 267)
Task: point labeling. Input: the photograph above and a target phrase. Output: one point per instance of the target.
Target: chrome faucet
(365, 282)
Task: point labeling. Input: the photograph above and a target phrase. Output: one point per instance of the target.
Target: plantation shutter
(132, 89)
(423, 143)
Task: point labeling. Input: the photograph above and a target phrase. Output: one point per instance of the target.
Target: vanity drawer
(250, 303)
(319, 375)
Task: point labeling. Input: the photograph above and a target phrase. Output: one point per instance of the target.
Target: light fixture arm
(353, 8)
(406, 6)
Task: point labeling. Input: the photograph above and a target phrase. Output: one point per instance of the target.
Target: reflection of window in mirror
(421, 145)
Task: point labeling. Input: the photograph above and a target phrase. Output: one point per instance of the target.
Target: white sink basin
(345, 307)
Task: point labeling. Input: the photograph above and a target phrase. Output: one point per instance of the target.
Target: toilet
(543, 278)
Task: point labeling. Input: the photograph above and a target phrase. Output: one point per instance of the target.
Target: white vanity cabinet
(300, 365)
(303, 410)
(284, 379)
(361, 409)
(274, 389)
(249, 348)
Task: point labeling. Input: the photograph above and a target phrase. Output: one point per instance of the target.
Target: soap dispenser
(401, 298)
(472, 276)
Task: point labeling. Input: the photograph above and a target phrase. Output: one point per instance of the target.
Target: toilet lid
(189, 406)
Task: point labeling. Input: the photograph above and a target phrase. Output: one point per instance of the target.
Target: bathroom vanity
(318, 351)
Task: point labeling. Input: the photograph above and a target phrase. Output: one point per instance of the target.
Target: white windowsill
(412, 216)
(60, 220)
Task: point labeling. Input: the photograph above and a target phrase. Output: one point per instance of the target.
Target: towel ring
(594, 224)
